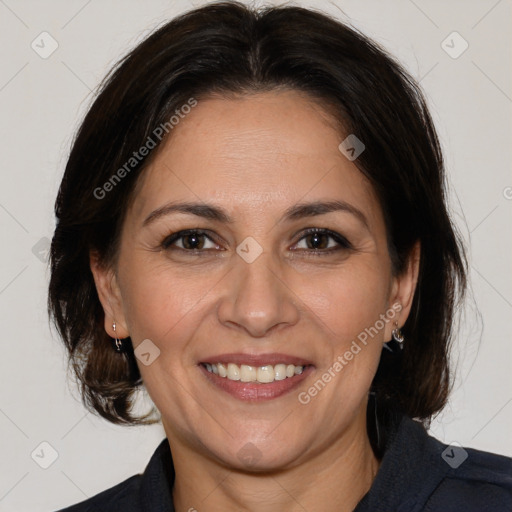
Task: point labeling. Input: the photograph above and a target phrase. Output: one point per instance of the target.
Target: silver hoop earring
(398, 336)
(117, 343)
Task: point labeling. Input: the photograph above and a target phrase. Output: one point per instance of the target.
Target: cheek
(349, 303)
(164, 307)
(349, 300)
(157, 297)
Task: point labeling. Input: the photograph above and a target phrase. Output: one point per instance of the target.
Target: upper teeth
(246, 373)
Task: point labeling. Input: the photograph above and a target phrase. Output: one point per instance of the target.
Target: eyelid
(177, 235)
(343, 242)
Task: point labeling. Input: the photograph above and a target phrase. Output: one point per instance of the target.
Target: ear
(403, 288)
(110, 296)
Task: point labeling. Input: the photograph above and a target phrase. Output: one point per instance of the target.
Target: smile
(264, 374)
(256, 377)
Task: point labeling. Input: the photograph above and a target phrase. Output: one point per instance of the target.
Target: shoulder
(419, 473)
(123, 497)
(454, 478)
(474, 481)
(151, 490)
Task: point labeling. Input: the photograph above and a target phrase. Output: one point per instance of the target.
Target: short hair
(230, 49)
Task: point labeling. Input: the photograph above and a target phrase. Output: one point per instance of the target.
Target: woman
(252, 225)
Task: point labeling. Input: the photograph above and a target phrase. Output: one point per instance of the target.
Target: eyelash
(343, 243)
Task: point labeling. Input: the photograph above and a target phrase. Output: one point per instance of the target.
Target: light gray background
(42, 102)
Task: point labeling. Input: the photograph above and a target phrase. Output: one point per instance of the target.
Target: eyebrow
(295, 212)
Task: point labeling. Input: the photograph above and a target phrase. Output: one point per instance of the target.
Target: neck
(341, 474)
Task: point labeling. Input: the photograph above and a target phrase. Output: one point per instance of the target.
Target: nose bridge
(258, 279)
(257, 297)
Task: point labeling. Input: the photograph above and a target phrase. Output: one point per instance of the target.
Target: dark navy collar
(158, 481)
(414, 475)
(408, 449)
(402, 483)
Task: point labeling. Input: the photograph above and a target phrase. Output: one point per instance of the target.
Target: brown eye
(193, 241)
(318, 240)
(321, 241)
(190, 240)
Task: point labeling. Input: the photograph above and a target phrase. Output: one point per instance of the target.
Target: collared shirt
(418, 473)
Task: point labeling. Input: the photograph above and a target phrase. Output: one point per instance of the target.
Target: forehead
(272, 149)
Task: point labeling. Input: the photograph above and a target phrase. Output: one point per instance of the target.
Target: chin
(260, 457)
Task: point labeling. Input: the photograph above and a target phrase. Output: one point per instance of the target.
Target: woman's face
(255, 289)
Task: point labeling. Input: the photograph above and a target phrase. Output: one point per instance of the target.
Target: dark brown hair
(228, 48)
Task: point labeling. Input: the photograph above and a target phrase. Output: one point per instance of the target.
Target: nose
(257, 298)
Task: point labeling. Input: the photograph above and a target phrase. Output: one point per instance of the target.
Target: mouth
(254, 378)
(262, 374)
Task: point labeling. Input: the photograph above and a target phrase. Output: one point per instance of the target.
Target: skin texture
(255, 156)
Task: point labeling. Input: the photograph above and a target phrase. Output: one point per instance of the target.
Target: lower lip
(255, 391)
